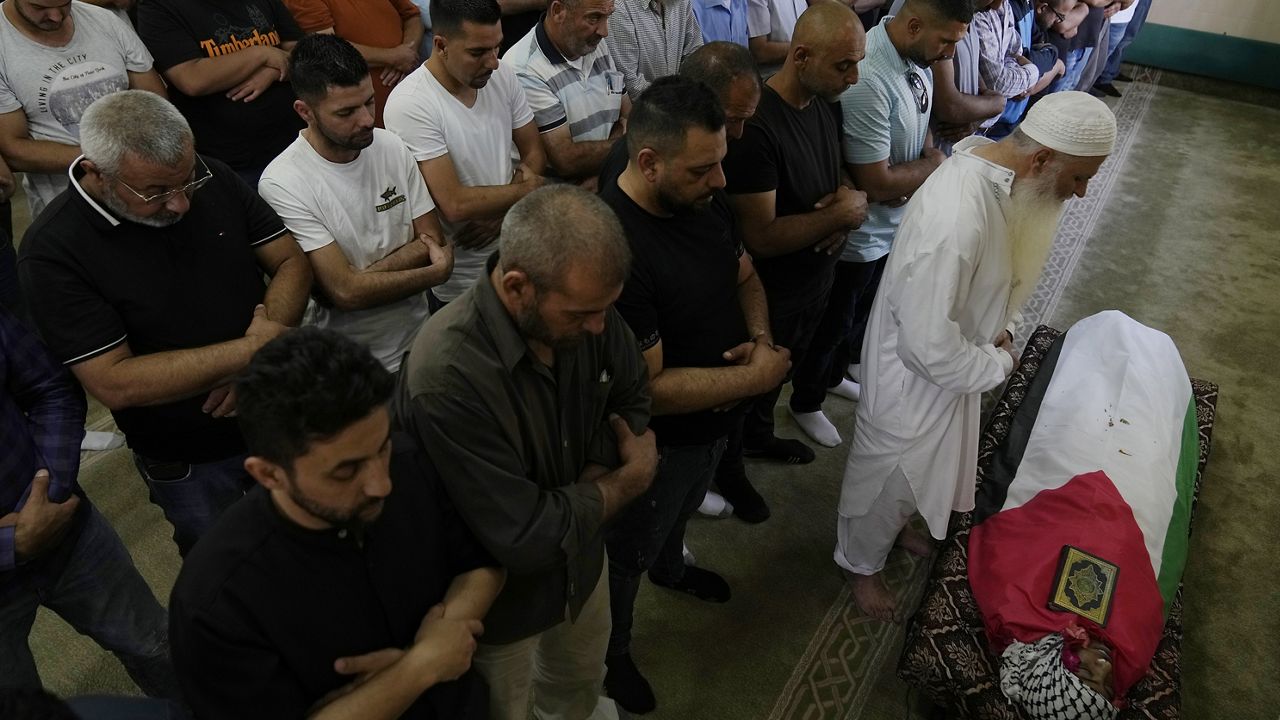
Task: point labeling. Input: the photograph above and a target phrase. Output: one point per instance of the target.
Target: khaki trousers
(562, 667)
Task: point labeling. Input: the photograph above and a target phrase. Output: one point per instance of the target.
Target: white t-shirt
(367, 206)
(1124, 16)
(54, 85)
(434, 123)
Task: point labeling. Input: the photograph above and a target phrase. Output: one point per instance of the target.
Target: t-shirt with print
(367, 206)
(244, 135)
(434, 123)
(94, 282)
(883, 121)
(54, 85)
(797, 154)
(683, 292)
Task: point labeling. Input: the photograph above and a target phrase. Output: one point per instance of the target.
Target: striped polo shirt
(883, 121)
(585, 93)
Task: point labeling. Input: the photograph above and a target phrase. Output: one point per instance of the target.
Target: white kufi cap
(1073, 123)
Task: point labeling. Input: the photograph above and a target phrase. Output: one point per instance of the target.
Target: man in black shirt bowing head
(698, 310)
(344, 585)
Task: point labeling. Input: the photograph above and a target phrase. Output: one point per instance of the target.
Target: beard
(355, 520)
(161, 219)
(534, 327)
(1031, 219)
(357, 141)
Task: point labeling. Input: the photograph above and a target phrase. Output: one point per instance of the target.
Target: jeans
(192, 496)
(793, 328)
(1124, 39)
(1075, 62)
(649, 533)
(100, 594)
(838, 339)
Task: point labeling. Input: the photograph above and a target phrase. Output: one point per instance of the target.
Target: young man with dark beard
(353, 198)
(698, 309)
(967, 254)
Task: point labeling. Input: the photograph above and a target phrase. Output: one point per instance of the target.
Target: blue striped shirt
(586, 93)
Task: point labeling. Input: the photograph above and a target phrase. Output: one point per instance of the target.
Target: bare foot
(914, 542)
(873, 597)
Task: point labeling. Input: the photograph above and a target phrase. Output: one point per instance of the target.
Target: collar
(507, 339)
(75, 183)
(547, 47)
(998, 174)
(726, 4)
(656, 7)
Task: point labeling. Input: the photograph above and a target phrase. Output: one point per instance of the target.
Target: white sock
(95, 440)
(689, 559)
(817, 426)
(847, 389)
(714, 505)
(854, 371)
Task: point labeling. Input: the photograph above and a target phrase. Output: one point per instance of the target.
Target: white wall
(1252, 19)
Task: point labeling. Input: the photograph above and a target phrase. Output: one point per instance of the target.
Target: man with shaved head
(787, 188)
(967, 254)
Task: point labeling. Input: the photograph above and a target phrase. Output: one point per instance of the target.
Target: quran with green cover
(1084, 584)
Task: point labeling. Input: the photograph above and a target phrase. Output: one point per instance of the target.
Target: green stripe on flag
(1174, 556)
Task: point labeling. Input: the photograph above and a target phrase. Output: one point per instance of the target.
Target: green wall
(1200, 53)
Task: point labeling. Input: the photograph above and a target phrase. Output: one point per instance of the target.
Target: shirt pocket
(613, 81)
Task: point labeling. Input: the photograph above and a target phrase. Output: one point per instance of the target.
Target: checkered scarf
(1034, 676)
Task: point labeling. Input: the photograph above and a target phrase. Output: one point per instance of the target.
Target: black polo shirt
(683, 292)
(93, 282)
(797, 154)
(263, 607)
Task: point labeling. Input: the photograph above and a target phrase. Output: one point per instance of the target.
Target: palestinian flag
(1101, 457)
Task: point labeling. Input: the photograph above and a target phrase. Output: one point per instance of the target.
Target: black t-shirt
(92, 285)
(262, 607)
(683, 291)
(246, 136)
(796, 153)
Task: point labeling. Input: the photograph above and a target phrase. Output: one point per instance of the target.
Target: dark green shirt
(511, 437)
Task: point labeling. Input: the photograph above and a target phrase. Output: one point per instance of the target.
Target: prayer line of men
(525, 389)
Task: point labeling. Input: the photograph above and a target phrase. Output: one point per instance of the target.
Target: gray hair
(554, 227)
(133, 121)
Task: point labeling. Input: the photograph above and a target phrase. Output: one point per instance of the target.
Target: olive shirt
(511, 436)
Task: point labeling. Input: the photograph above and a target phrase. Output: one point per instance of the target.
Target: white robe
(929, 352)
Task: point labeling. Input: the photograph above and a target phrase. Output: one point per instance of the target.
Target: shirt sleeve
(136, 56)
(166, 35)
(866, 109)
(751, 166)
(420, 201)
(261, 223)
(414, 118)
(998, 67)
(624, 46)
(301, 220)
(55, 411)
(759, 23)
(628, 393)
(922, 300)
(548, 111)
(636, 306)
(75, 321)
(228, 671)
(527, 528)
(310, 15)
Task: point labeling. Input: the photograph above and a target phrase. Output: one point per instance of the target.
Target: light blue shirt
(883, 121)
(722, 20)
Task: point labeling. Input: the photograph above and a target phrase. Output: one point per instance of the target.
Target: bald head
(826, 46)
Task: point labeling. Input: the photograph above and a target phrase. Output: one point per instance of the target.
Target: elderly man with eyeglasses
(888, 151)
(156, 295)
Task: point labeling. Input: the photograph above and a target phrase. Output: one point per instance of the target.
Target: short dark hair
(306, 385)
(447, 16)
(718, 64)
(953, 10)
(666, 110)
(320, 61)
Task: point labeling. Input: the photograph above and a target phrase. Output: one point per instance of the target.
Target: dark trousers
(191, 495)
(649, 533)
(794, 323)
(838, 338)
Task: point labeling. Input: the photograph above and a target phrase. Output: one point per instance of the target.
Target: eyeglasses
(919, 90)
(1060, 16)
(200, 172)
